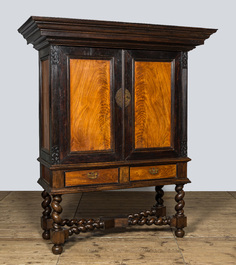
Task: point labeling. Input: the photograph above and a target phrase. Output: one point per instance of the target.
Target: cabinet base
(54, 226)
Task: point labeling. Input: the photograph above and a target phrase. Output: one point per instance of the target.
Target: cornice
(43, 31)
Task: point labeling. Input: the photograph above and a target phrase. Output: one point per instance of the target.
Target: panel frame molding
(176, 90)
(114, 56)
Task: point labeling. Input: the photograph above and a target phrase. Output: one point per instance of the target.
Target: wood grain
(100, 176)
(208, 251)
(233, 193)
(3, 194)
(45, 104)
(25, 251)
(124, 175)
(122, 251)
(143, 173)
(90, 111)
(152, 104)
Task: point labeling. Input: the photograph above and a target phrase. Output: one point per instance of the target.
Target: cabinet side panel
(90, 110)
(45, 104)
(152, 90)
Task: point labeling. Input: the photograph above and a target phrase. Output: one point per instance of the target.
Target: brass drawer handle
(153, 171)
(92, 175)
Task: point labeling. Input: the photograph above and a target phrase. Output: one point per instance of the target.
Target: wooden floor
(210, 235)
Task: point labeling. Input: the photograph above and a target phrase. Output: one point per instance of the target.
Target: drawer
(152, 172)
(90, 177)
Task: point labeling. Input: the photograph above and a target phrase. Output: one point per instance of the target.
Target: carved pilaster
(184, 60)
(55, 55)
(184, 149)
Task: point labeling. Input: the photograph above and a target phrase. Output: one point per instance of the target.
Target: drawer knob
(92, 175)
(153, 171)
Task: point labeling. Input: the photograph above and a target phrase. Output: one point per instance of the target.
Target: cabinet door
(153, 123)
(89, 130)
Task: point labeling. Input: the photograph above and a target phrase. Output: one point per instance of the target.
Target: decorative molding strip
(44, 31)
(55, 155)
(54, 55)
(184, 60)
(184, 149)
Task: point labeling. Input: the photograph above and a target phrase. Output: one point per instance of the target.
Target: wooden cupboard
(112, 114)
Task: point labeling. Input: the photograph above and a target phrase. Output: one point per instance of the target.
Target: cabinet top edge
(42, 31)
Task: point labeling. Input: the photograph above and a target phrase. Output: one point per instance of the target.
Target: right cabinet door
(153, 122)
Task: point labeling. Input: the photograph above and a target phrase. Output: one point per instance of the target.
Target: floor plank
(121, 251)
(207, 213)
(3, 194)
(208, 250)
(210, 235)
(20, 252)
(233, 193)
(21, 212)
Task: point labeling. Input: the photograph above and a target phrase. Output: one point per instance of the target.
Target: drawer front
(90, 177)
(152, 172)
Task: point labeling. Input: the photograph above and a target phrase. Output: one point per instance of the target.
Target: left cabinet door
(87, 80)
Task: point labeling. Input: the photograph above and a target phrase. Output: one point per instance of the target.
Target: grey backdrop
(212, 72)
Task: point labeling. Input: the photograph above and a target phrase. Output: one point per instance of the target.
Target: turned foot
(46, 214)
(179, 232)
(46, 234)
(181, 219)
(57, 249)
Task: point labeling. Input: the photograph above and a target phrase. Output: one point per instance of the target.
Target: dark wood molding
(92, 188)
(62, 86)
(162, 161)
(43, 31)
(131, 56)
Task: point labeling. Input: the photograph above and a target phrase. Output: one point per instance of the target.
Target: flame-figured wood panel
(45, 104)
(152, 104)
(152, 172)
(90, 109)
(91, 177)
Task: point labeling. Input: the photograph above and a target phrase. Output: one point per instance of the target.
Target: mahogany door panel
(150, 121)
(90, 106)
(152, 104)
